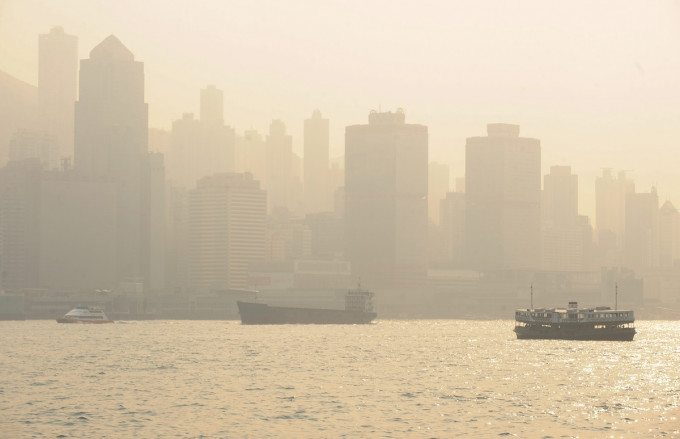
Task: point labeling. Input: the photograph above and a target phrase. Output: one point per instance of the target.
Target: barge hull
(262, 314)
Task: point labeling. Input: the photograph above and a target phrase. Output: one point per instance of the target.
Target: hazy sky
(598, 82)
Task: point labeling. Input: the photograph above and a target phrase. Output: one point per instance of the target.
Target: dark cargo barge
(358, 310)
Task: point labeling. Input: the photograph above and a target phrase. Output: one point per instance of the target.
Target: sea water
(425, 378)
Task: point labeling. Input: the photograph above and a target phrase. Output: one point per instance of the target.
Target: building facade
(57, 88)
(227, 229)
(503, 200)
(386, 164)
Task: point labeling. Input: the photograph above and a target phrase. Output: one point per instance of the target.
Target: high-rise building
(57, 87)
(386, 201)
(566, 237)
(318, 197)
(20, 224)
(227, 227)
(641, 237)
(111, 135)
(452, 223)
(669, 236)
(251, 155)
(212, 107)
(610, 203)
(560, 197)
(503, 200)
(279, 167)
(41, 145)
(438, 186)
(204, 146)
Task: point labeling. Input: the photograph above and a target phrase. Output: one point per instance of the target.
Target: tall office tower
(201, 147)
(227, 228)
(78, 219)
(560, 197)
(386, 201)
(156, 204)
(565, 236)
(641, 236)
(111, 135)
(669, 236)
(610, 204)
(251, 155)
(279, 167)
(20, 224)
(57, 87)
(318, 196)
(212, 108)
(185, 158)
(438, 186)
(503, 200)
(219, 139)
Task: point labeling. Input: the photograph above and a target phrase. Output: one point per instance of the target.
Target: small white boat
(84, 314)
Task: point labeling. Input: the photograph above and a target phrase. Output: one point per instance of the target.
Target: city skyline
(599, 92)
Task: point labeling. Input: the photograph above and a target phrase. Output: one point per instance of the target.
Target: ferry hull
(262, 314)
(553, 333)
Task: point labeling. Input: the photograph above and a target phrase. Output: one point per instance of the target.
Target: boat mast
(532, 295)
(616, 296)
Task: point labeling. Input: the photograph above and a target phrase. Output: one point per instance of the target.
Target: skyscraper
(57, 87)
(386, 201)
(610, 203)
(227, 224)
(438, 186)
(503, 200)
(566, 237)
(111, 135)
(212, 108)
(318, 197)
(641, 237)
(279, 147)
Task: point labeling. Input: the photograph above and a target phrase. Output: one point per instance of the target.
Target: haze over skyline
(598, 84)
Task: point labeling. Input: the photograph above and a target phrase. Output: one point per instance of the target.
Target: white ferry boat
(84, 314)
(574, 323)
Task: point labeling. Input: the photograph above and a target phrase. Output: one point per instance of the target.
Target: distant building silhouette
(386, 164)
(503, 200)
(610, 202)
(641, 237)
(438, 186)
(57, 88)
(41, 145)
(452, 223)
(566, 236)
(318, 196)
(279, 147)
(669, 236)
(201, 147)
(111, 135)
(227, 222)
(251, 155)
(212, 107)
(20, 224)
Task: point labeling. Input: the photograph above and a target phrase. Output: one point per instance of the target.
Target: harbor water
(422, 378)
